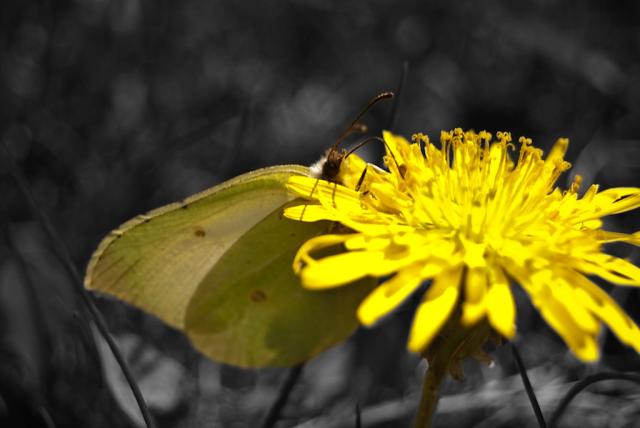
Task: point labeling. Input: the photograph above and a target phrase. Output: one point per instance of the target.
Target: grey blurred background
(112, 108)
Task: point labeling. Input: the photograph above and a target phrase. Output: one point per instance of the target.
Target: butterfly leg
(333, 194)
(361, 179)
(310, 196)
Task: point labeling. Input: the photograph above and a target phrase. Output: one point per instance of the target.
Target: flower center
(472, 188)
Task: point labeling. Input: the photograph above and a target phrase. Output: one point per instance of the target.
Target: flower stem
(430, 392)
(527, 386)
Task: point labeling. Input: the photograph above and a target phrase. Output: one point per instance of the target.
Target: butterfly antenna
(369, 140)
(364, 142)
(356, 125)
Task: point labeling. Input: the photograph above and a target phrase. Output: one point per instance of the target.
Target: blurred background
(112, 108)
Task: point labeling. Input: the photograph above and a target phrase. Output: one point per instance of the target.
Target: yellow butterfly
(218, 267)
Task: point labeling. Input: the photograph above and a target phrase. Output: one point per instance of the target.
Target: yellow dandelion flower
(471, 219)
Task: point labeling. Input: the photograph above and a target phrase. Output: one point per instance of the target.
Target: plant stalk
(433, 378)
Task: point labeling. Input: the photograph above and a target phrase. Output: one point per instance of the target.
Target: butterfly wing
(251, 311)
(156, 260)
(165, 261)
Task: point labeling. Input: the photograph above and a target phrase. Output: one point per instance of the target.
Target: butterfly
(217, 266)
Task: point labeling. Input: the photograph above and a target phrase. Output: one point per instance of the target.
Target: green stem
(430, 393)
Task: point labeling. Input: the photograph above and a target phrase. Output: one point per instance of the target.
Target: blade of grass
(283, 395)
(527, 386)
(584, 383)
(63, 255)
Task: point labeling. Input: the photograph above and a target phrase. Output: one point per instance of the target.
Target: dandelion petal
(434, 310)
(501, 308)
(604, 307)
(346, 267)
(387, 296)
(308, 213)
(617, 200)
(614, 269)
(474, 306)
(583, 344)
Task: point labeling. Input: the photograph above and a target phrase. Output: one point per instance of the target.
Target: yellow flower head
(470, 218)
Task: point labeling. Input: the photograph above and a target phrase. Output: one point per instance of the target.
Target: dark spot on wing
(200, 233)
(258, 296)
